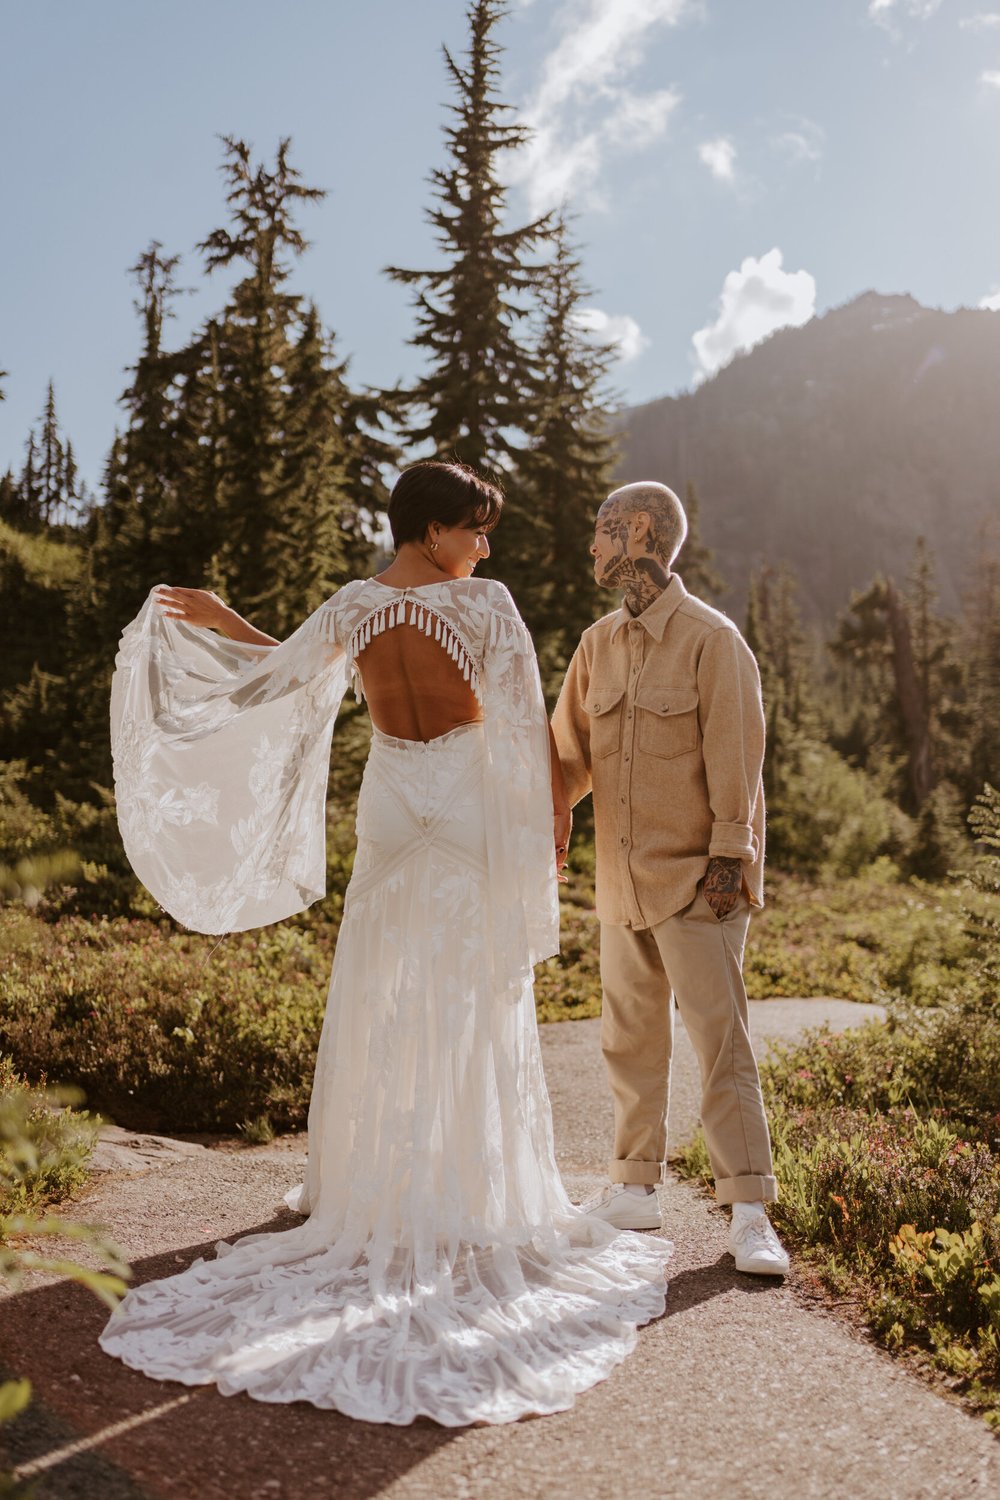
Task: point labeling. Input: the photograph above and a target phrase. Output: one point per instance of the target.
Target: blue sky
(734, 165)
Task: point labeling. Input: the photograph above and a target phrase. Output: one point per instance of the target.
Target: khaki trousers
(697, 959)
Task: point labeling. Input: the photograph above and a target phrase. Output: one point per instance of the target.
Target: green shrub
(828, 817)
(44, 1150)
(851, 939)
(568, 987)
(940, 843)
(858, 939)
(887, 1148)
(164, 1029)
(44, 1146)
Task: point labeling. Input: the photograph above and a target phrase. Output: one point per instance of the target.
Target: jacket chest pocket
(604, 711)
(668, 721)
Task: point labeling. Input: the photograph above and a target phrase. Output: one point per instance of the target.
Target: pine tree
(143, 533)
(51, 460)
(907, 691)
(251, 350)
(942, 672)
(695, 561)
(9, 498)
(981, 916)
(869, 729)
(774, 633)
(477, 393)
(32, 496)
(48, 491)
(980, 648)
(565, 472)
(311, 483)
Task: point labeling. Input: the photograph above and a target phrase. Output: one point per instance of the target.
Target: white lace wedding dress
(442, 1270)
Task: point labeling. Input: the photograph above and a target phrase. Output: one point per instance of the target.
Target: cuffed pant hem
(740, 1189)
(649, 1172)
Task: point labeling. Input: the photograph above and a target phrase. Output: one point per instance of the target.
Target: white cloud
(803, 142)
(640, 118)
(885, 13)
(756, 300)
(613, 328)
(986, 20)
(584, 107)
(992, 302)
(991, 78)
(719, 156)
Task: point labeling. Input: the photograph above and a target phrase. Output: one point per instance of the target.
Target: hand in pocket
(722, 885)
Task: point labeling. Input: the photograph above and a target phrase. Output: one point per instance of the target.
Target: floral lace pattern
(221, 754)
(441, 1270)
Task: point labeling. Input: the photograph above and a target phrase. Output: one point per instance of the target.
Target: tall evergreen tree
(980, 649)
(695, 561)
(144, 532)
(311, 481)
(774, 633)
(48, 491)
(905, 687)
(477, 393)
(286, 439)
(251, 350)
(565, 472)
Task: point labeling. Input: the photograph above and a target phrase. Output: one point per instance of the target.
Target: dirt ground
(745, 1388)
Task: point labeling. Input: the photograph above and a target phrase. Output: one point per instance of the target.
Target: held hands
(195, 607)
(722, 885)
(562, 825)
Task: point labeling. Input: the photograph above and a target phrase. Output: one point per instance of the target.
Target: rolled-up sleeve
(732, 726)
(571, 728)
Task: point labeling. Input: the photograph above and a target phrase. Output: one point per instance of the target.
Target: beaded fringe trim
(388, 616)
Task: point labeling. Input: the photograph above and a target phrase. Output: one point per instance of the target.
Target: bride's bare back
(414, 690)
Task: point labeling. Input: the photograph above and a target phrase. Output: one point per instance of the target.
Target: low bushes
(890, 1183)
(160, 1031)
(44, 1147)
(169, 1030)
(858, 939)
(887, 1148)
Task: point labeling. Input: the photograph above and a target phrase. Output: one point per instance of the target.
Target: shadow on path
(146, 1439)
(691, 1288)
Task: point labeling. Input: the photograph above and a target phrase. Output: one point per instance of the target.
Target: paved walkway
(745, 1390)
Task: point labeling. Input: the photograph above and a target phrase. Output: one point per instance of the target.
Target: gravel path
(745, 1389)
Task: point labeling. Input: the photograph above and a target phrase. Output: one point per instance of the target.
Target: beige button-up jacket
(661, 716)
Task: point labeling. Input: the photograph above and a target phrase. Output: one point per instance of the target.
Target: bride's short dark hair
(452, 494)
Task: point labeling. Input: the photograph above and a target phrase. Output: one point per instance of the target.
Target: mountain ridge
(834, 445)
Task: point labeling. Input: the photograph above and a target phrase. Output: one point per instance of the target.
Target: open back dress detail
(441, 1270)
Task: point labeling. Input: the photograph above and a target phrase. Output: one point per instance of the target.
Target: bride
(441, 1270)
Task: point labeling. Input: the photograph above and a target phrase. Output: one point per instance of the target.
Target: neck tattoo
(643, 579)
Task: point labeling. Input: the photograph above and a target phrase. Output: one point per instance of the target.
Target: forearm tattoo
(722, 884)
(724, 876)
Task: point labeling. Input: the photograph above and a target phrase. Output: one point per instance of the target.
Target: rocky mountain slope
(834, 446)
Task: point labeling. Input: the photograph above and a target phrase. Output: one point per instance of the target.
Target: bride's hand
(194, 607)
(562, 824)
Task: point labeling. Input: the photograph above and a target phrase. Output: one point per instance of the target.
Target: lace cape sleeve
(221, 755)
(524, 914)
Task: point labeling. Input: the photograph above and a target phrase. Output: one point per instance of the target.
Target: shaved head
(668, 523)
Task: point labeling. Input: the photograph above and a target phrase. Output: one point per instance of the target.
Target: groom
(661, 717)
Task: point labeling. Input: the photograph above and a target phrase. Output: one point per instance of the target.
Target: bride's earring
(434, 546)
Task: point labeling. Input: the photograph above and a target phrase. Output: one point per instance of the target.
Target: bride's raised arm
(205, 608)
(221, 752)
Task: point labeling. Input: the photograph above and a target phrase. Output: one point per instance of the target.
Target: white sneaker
(625, 1210)
(756, 1247)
